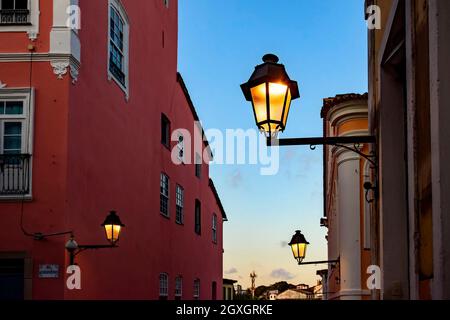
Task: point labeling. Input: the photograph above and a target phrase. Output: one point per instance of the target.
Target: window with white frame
(214, 228)
(14, 12)
(179, 205)
(166, 3)
(118, 45)
(178, 287)
(164, 196)
(196, 289)
(16, 110)
(163, 286)
(20, 16)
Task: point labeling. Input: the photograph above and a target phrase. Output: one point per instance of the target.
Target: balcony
(15, 175)
(14, 16)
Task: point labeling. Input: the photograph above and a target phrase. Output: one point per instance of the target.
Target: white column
(349, 224)
(65, 48)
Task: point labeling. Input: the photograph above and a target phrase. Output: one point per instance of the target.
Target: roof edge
(219, 203)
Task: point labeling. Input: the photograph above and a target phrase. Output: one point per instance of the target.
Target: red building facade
(86, 120)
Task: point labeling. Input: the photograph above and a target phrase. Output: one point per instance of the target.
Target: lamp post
(271, 92)
(112, 226)
(299, 245)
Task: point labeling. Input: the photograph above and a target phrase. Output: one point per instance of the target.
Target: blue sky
(323, 45)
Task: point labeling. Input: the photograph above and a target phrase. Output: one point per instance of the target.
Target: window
(214, 228)
(198, 166)
(165, 131)
(198, 217)
(166, 3)
(178, 288)
(16, 109)
(163, 286)
(20, 16)
(164, 196)
(179, 205)
(14, 12)
(196, 289)
(180, 148)
(118, 45)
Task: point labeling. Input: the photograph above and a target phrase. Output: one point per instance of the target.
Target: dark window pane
(165, 131)
(13, 128)
(21, 4)
(7, 4)
(13, 143)
(14, 107)
(2, 107)
(198, 217)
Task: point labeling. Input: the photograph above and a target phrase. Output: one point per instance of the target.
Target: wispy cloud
(231, 271)
(282, 274)
(235, 178)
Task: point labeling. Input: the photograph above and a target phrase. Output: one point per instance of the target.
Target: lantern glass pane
(112, 232)
(288, 106)
(299, 250)
(259, 102)
(277, 94)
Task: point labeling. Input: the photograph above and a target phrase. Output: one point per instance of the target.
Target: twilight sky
(323, 45)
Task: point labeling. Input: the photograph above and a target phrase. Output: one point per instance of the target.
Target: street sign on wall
(48, 271)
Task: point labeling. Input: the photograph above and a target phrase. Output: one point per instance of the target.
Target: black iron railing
(14, 16)
(15, 174)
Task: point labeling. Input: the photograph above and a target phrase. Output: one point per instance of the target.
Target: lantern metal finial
(270, 57)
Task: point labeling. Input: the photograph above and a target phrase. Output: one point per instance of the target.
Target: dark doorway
(12, 276)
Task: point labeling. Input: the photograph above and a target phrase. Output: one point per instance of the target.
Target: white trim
(350, 110)
(33, 29)
(64, 41)
(126, 38)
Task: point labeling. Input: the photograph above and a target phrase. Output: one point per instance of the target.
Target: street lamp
(112, 226)
(271, 92)
(298, 245)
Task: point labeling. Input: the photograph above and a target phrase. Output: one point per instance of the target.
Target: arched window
(118, 56)
(163, 286)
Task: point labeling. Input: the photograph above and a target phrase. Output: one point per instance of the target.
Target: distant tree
(259, 291)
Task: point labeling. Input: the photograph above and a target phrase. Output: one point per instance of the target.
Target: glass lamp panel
(287, 108)
(299, 250)
(277, 94)
(259, 102)
(295, 250)
(112, 232)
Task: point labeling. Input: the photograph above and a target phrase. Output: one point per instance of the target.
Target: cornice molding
(60, 62)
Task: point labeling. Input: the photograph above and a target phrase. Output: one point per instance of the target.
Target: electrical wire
(30, 92)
